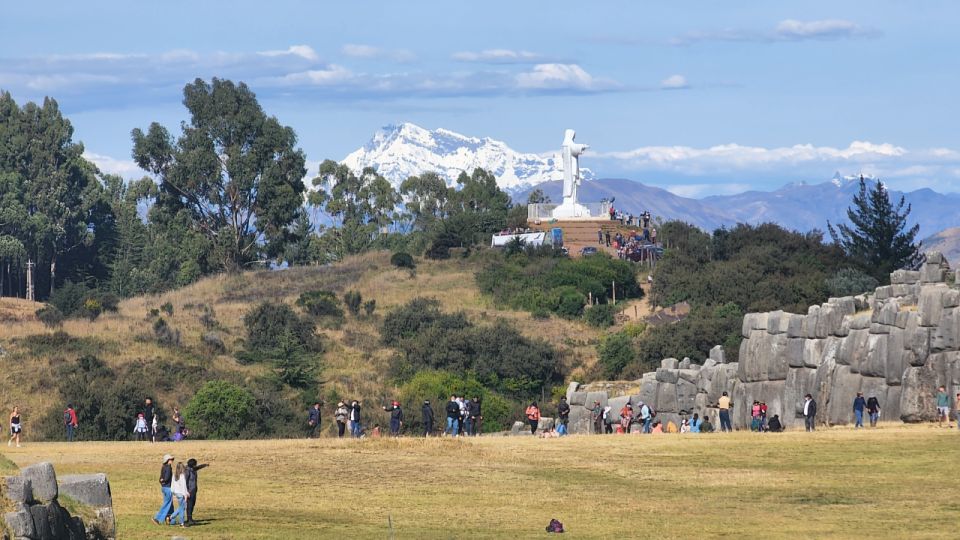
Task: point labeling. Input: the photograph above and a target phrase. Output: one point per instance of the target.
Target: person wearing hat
(340, 415)
(192, 468)
(396, 417)
(426, 415)
(597, 416)
(166, 477)
(313, 421)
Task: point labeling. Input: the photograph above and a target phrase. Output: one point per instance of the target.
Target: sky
(697, 97)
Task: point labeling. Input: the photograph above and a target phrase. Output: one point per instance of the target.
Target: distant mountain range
(404, 150)
(947, 242)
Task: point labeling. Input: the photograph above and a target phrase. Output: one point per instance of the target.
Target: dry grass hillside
(947, 242)
(355, 362)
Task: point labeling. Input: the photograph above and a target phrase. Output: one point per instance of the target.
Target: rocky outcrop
(898, 344)
(39, 515)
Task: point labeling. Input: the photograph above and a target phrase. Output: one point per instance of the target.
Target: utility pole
(30, 265)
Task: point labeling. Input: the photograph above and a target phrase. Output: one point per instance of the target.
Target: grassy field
(894, 482)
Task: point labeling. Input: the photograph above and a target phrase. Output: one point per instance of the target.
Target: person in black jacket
(396, 418)
(809, 412)
(426, 413)
(192, 468)
(148, 413)
(453, 416)
(166, 476)
(873, 409)
(473, 410)
(356, 429)
(563, 414)
(313, 421)
(774, 425)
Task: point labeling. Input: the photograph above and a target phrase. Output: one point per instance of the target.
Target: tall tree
(235, 171)
(427, 198)
(878, 237)
(362, 205)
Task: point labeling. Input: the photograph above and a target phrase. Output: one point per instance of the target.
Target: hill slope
(946, 242)
(355, 363)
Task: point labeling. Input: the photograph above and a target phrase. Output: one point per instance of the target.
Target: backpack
(555, 526)
(653, 413)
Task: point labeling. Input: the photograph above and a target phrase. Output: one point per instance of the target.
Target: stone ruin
(898, 344)
(39, 506)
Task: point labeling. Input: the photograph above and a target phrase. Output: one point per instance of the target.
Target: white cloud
(696, 191)
(674, 82)
(303, 51)
(330, 75)
(559, 77)
(786, 30)
(499, 56)
(108, 165)
(369, 52)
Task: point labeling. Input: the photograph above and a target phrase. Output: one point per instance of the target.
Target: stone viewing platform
(897, 344)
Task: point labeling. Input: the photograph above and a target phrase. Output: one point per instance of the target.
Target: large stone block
(616, 405)
(947, 334)
(667, 397)
(810, 322)
(931, 304)
(859, 322)
(717, 355)
(686, 395)
(890, 404)
(813, 352)
(951, 298)
(917, 341)
(665, 375)
(89, 489)
(795, 325)
(571, 388)
(18, 489)
(838, 405)
(581, 421)
(753, 321)
(669, 363)
(917, 395)
(593, 397)
(689, 375)
(776, 322)
(795, 351)
(893, 370)
(799, 382)
(20, 524)
(648, 392)
(874, 362)
(577, 398)
(43, 479)
(41, 523)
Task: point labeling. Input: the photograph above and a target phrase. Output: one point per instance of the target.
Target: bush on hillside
(220, 410)
(77, 300)
(498, 355)
(353, 300)
(50, 316)
(270, 325)
(402, 259)
(600, 315)
(321, 304)
(616, 351)
(850, 282)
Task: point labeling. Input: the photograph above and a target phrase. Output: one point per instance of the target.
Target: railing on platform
(544, 211)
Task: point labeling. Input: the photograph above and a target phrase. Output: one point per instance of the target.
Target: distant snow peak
(403, 150)
(840, 180)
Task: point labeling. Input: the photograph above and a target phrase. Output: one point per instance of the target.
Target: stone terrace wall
(898, 344)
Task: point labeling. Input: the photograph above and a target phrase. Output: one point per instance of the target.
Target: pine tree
(877, 236)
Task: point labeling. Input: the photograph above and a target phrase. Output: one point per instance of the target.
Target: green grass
(894, 482)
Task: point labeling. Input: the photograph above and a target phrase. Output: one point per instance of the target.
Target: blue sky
(700, 98)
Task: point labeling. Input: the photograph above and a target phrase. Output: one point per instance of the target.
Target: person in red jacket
(533, 416)
(70, 421)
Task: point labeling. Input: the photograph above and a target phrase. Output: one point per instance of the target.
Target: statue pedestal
(570, 209)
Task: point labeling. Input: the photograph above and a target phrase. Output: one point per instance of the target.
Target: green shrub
(61, 344)
(92, 308)
(353, 299)
(165, 334)
(50, 316)
(220, 410)
(271, 326)
(600, 315)
(369, 306)
(569, 302)
(69, 298)
(167, 308)
(616, 351)
(850, 282)
(321, 304)
(402, 259)
(438, 386)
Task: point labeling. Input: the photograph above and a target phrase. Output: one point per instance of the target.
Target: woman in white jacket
(179, 488)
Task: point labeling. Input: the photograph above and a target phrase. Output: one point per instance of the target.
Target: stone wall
(898, 344)
(39, 515)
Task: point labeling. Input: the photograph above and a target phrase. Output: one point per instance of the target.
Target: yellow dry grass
(355, 363)
(893, 482)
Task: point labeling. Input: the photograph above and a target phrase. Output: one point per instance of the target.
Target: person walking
(606, 236)
(340, 415)
(15, 427)
(453, 416)
(140, 429)
(600, 236)
(597, 416)
(70, 421)
(192, 468)
(809, 412)
(943, 406)
(313, 421)
(166, 478)
(356, 428)
(150, 415)
(859, 404)
(462, 425)
(873, 409)
(724, 405)
(426, 416)
(646, 417)
(178, 488)
(533, 417)
(396, 417)
(476, 416)
(563, 414)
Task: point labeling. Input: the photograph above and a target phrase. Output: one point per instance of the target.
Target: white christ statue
(571, 178)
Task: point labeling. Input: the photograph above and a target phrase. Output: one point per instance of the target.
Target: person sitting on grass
(774, 425)
(707, 426)
(695, 423)
(657, 427)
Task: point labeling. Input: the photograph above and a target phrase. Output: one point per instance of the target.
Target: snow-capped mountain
(400, 151)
